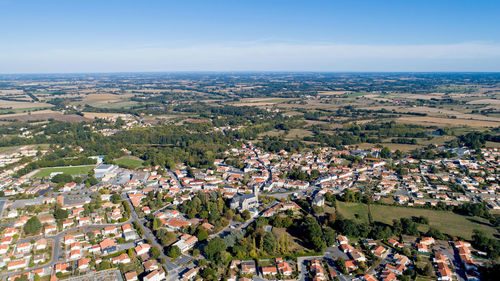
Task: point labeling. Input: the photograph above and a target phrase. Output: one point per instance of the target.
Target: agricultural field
(447, 222)
(75, 170)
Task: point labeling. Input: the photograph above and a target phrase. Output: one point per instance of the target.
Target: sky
(73, 36)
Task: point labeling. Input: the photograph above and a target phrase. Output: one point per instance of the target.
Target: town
(257, 215)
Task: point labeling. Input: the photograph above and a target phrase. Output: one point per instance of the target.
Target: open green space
(129, 162)
(353, 95)
(76, 170)
(447, 222)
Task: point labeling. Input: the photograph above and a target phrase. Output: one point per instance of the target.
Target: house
(9, 232)
(75, 254)
(84, 221)
(156, 275)
(351, 265)
(395, 243)
(368, 277)
(69, 239)
(42, 271)
(61, 267)
(109, 230)
(269, 270)
(123, 258)
(422, 248)
(284, 268)
(248, 267)
(21, 222)
(190, 274)
(357, 256)
(15, 265)
(342, 240)
(38, 258)
(6, 240)
(50, 229)
(41, 244)
(151, 265)
(186, 242)
(108, 246)
(84, 263)
(67, 224)
(142, 249)
(4, 249)
(427, 241)
(379, 251)
(24, 247)
(127, 228)
(131, 276)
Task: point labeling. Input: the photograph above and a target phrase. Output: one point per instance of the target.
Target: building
(156, 275)
(186, 242)
(244, 202)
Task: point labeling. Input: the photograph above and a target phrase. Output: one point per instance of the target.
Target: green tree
(202, 234)
(60, 214)
(155, 252)
(269, 243)
(174, 252)
(213, 249)
(32, 226)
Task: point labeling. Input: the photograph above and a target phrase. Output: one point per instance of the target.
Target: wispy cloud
(470, 56)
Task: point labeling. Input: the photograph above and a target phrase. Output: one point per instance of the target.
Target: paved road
(173, 269)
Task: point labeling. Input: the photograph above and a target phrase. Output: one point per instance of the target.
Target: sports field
(129, 162)
(76, 170)
(447, 222)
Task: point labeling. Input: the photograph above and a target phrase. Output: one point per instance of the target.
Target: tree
(21, 278)
(329, 235)
(202, 234)
(115, 198)
(62, 178)
(385, 152)
(245, 215)
(341, 265)
(60, 214)
(32, 226)
(269, 243)
(174, 252)
(213, 248)
(157, 224)
(313, 233)
(428, 269)
(155, 252)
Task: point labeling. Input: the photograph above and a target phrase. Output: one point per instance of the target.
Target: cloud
(472, 56)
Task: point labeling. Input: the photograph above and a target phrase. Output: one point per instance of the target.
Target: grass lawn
(447, 222)
(129, 162)
(77, 170)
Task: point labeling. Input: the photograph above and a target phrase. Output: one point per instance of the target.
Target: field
(437, 121)
(447, 222)
(129, 162)
(44, 115)
(76, 170)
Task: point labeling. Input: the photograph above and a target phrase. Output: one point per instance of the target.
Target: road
(173, 269)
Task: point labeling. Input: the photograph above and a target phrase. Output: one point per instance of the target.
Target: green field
(129, 162)
(447, 222)
(353, 95)
(77, 170)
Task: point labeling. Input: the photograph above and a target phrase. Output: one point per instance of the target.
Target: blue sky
(270, 35)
